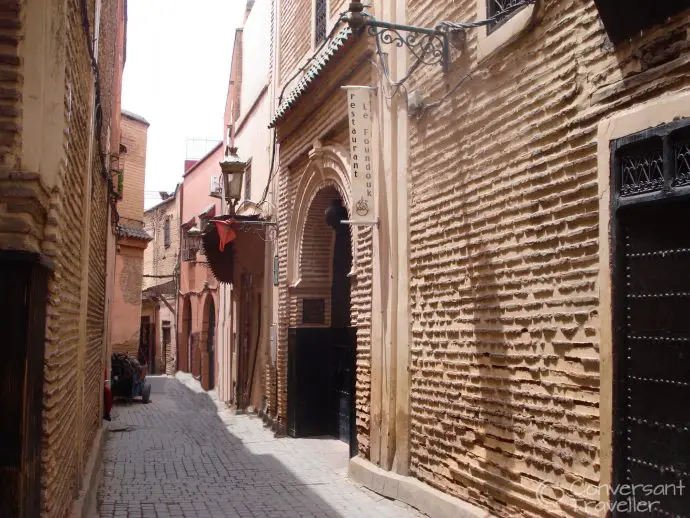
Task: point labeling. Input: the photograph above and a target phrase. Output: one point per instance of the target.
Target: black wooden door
(24, 286)
(321, 383)
(309, 382)
(343, 376)
(654, 360)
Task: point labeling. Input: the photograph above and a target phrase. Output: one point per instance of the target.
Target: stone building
(160, 282)
(60, 72)
(132, 240)
(198, 291)
(518, 301)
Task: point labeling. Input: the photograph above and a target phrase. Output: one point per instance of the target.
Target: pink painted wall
(196, 279)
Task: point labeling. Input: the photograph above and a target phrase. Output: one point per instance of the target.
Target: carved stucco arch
(328, 166)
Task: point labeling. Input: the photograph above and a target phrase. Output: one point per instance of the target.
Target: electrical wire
(98, 122)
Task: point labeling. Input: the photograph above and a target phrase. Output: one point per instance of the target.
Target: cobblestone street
(184, 456)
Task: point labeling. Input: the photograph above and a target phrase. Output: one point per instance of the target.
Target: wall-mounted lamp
(232, 168)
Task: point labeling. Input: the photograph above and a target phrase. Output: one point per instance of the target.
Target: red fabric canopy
(225, 232)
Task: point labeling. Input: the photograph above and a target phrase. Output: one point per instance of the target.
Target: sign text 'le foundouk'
(361, 165)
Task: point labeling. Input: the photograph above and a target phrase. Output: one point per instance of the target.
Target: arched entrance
(210, 341)
(322, 344)
(186, 337)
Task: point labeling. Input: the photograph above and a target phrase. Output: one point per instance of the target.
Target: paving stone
(185, 456)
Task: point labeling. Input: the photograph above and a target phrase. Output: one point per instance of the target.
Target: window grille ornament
(682, 155)
(500, 11)
(320, 20)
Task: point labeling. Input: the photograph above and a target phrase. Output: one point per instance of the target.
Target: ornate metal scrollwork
(265, 226)
(429, 47)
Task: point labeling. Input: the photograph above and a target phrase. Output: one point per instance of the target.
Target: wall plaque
(313, 311)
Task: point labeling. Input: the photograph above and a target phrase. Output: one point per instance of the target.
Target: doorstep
(411, 491)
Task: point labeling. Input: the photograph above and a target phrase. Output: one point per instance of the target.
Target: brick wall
(337, 6)
(10, 83)
(504, 251)
(134, 138)
(295, 24)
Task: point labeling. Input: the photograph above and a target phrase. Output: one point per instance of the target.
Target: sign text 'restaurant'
(361, 166)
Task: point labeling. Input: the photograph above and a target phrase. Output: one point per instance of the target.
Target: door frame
(638, 118)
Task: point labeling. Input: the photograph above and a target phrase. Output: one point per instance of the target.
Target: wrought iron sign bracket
(266, 230)
(428, 46)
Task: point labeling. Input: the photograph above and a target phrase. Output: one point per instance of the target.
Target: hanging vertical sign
(361, 156)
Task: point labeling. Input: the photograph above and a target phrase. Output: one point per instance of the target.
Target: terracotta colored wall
(125, 317)
(196, 279)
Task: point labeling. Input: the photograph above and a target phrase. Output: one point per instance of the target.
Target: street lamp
(232, 169)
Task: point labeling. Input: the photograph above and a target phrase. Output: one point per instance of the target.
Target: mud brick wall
(505, 366)
(295, 24)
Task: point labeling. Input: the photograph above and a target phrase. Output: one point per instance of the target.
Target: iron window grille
(320, 20)
(503, 10)
(652, 164)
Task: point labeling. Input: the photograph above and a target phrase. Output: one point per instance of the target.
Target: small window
(166, 233)
(501, 10)
(248, 184)
(320, 20)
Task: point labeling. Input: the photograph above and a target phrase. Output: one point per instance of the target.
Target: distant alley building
(132, 240)
(160, 282)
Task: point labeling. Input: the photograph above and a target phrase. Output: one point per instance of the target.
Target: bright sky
(176, 77)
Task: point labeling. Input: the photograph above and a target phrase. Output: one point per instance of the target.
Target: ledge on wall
(411, 491)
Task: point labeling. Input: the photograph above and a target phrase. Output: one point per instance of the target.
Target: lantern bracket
(428, 46)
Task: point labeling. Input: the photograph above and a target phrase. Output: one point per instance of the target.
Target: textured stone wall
(504, 250)
(23, 194)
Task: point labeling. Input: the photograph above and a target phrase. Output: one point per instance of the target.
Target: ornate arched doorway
(322, 341)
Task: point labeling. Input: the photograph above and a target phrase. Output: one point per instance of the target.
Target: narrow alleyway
(183, 456)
